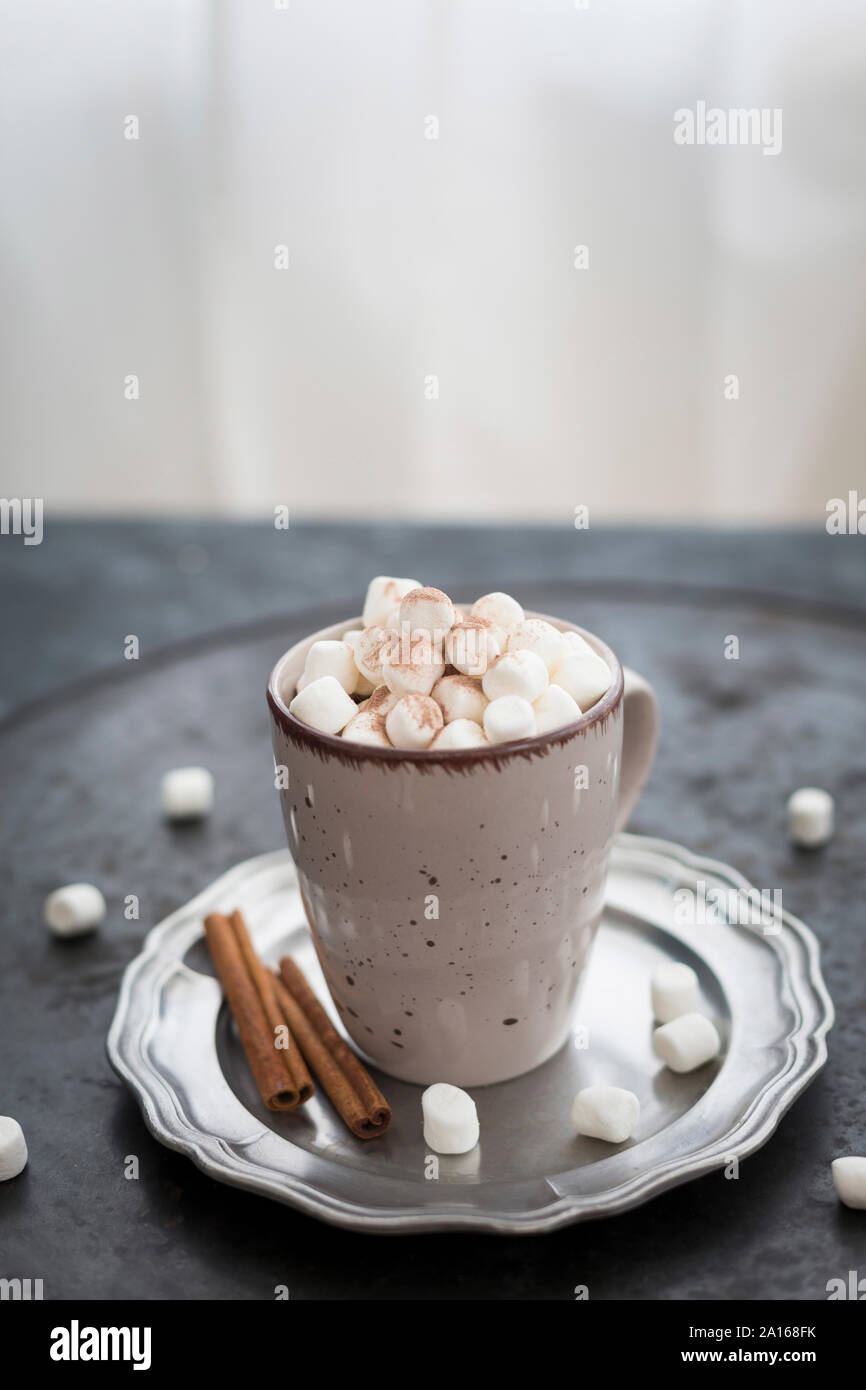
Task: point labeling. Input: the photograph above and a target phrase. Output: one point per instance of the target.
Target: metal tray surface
(173, 1042)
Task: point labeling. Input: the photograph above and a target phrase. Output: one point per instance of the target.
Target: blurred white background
(410, 258)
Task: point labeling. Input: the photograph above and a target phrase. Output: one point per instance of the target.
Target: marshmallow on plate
(414, 721)
(849, 1179)
(74, 909)
(419, 674)
(582, 672)
(375, 645)
(520, 673)
(606, 1112)
(428, 610)
(535, 635)
(324, 705)
(450, 1119)
(13, 1148)
(367, 728)
(186, 793)
(461, 697)
(460, 733)
(675, 991)
(810, 817)
(554, 708)
(687, 1042)
(471, 645)
(335, 659)
(503, 611)
(383, 595)
(508, 718)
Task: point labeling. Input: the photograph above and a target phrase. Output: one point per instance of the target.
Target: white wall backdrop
(411, 257)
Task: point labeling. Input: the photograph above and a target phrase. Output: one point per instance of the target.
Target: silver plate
(172, 1041)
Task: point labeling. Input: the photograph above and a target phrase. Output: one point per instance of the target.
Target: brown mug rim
(335, 744)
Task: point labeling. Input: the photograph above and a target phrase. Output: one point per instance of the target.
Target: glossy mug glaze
(453, 897)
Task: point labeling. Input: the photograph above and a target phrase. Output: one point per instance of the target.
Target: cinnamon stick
(281, 1075)
(350, 1088)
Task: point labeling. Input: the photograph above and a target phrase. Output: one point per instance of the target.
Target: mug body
(452, 897)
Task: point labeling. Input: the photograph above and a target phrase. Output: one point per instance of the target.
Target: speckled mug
(453, 896)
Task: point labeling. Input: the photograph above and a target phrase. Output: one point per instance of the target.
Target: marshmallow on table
(383, 595)
(535, 635)
(186, 793)
(368, 728)
(460, 733)
(687, 1042)
(606, 1112)
(335, 659)
(508, 718)
(460, 697)
(520, 673)
(810, 817)
(554, 708)
(419, 674)
(414, 722)
(450, 1119)
(13, 1148)
(427, 610)
(375, 645)
(582, 672)
(503, 611)
(849, 1179)
(73, 910)
(471, 645)
(675, 991)
(324, 705)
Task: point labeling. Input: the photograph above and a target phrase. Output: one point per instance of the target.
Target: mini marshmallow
(13, 1148)
(460, 733)
(382, 701)
(508, 718)
(335, 659)
(186, 793)
(368, 728)
(516, 673)
(450, 1119)
(535, 635)
(428, 610)
(554, 708)
(74, 910)
(675, 991)
(362, 685)
(606, 1112)
(503, 611)
(419, 674)
(687, 1042)
(383, 595)
(414, 721)
(324, 705)
(810, 817)
(373, 648)
(582, 672)
(849, 1179)
(471, 645)
(460, 697)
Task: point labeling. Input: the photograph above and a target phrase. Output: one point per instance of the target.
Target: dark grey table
(86, 735)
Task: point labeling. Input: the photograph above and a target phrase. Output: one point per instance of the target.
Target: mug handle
(640, 738)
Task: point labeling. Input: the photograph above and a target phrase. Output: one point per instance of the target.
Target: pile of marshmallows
(425, 674)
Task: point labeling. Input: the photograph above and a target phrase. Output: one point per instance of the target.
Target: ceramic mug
(453, 896)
